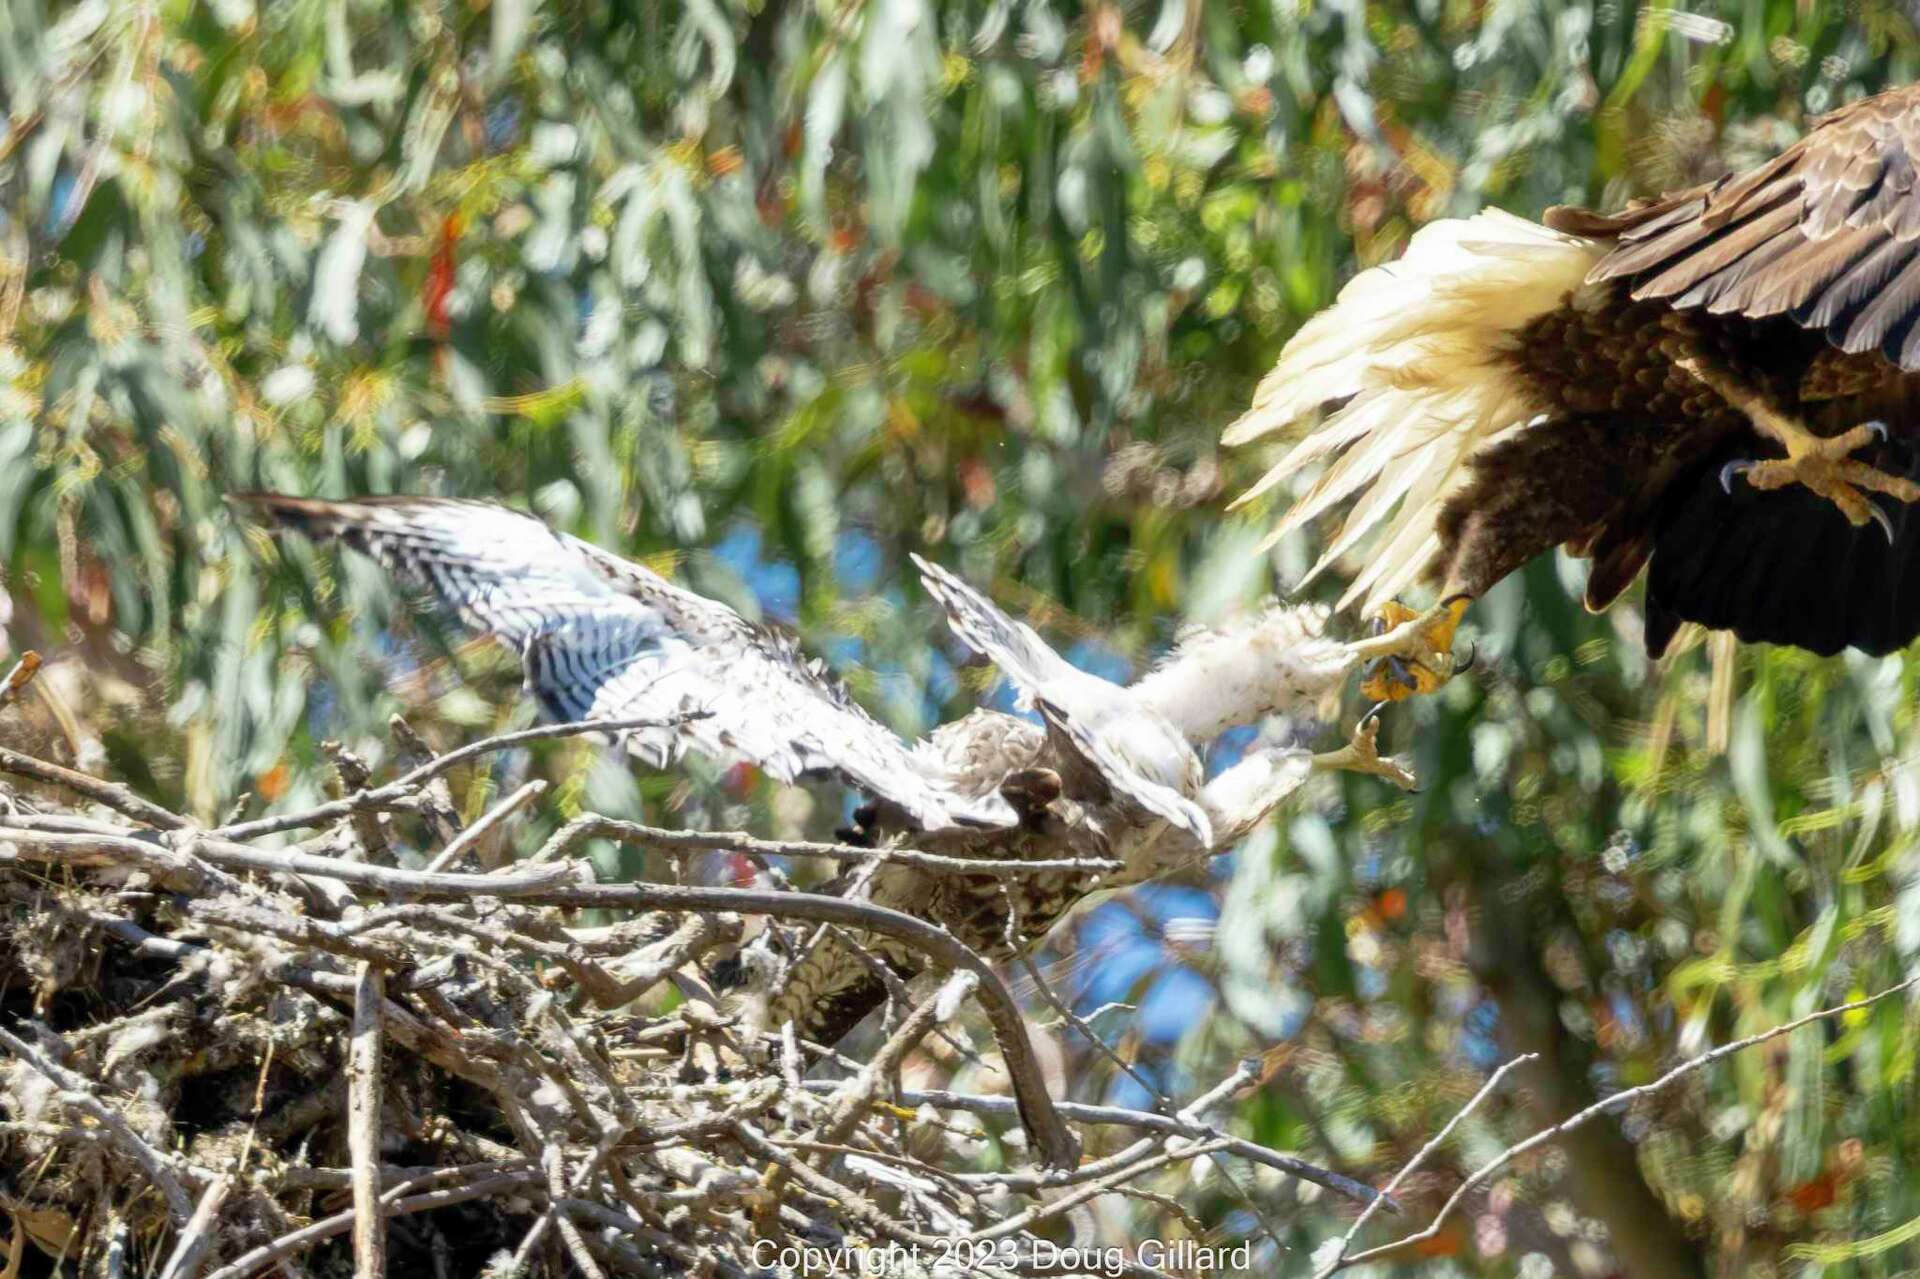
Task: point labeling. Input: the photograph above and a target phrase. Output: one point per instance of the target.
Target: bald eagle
(1721, 386)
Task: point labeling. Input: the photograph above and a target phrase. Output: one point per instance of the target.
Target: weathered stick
(403, 786)
(363, 1122)
(1037, 1112)
(201, 1233)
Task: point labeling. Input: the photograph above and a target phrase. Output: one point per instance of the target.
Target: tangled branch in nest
(220, 1057)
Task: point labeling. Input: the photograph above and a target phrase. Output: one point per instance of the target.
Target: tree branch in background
(1618, 1101)
(121, 799)
(1339, 1259)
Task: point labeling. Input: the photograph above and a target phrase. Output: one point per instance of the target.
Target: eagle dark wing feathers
(1506, 388)
(1827, 232)
(1783, 567)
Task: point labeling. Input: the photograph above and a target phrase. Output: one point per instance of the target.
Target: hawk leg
(1412, 653)
(1362, 755)
(1824, 464)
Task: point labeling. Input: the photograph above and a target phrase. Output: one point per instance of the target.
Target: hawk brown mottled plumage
(1606, 382)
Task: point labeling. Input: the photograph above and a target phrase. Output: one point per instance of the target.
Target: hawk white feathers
(1131, 746)
(604, 638)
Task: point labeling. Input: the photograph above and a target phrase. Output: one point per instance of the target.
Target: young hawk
(1110, 773)
(1718, 385)
(604, 638)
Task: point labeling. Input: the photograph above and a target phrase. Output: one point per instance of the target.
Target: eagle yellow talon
(1412, 652)
(1392, 613)
(1823, 464)
(1826, 467)
(1876, 480)
(1393, 679)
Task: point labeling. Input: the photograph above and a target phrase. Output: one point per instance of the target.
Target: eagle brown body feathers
(1629, 458)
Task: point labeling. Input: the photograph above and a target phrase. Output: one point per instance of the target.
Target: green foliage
(983, 280)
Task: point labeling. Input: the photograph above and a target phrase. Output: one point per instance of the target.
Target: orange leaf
(272, 784)
(1816, 1194)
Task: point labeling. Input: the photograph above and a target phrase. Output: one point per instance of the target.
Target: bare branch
(570, 837)
(201, 1231)
(487, 823)
(1145, 1121)
(120, 799)
(1615, 1102)
(363, 1122)
(1420, 1157)
(851, 1103)
(193, 853)
(1037, 1111)
(480, 1181)
(404, 786)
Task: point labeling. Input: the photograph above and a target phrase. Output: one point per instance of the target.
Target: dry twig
(1617, 1101)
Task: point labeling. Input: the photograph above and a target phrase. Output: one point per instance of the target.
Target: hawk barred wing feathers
(603, 637)
(1133, 749)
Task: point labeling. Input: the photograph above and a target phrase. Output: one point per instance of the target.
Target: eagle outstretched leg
(1824, 464)
(1412, 653)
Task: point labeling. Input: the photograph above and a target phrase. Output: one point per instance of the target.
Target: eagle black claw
(1738, 467)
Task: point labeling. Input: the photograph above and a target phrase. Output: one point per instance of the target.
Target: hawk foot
(1362, 755)
(1412, 652)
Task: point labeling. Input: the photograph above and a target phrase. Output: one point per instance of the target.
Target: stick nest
(302, 1045)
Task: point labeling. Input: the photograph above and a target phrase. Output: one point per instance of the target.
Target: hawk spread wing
(602, 637)
(1133, 749)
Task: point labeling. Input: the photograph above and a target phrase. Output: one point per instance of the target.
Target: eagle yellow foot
(1362, 755)
(1826, 466)
(1412, 653)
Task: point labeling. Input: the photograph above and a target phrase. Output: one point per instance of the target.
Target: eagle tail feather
(1415, 349)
